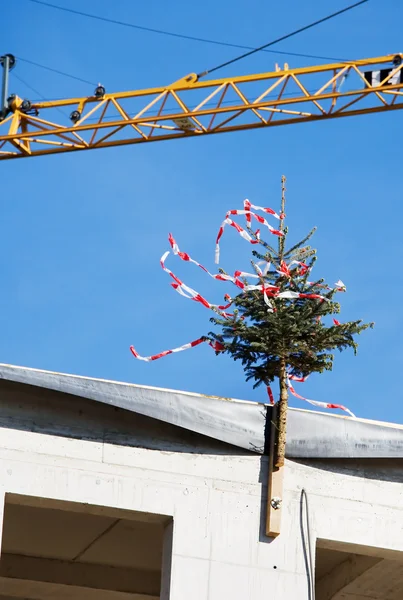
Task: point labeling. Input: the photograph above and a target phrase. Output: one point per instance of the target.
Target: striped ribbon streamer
(268, 291)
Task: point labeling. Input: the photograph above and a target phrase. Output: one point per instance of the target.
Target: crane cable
(36, 64)
(177, 35)
(280, 39)
(41, 96)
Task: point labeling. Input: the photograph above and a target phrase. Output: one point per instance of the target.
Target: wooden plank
(275, 483)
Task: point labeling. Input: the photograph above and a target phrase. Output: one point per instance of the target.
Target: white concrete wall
(219, 551)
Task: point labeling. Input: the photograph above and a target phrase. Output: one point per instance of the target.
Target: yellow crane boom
(190, 108)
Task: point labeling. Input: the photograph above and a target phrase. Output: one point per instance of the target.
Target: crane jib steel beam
(189, 108)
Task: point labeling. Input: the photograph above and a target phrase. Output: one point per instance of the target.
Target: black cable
(306, 544)
(14, 74)
(177, 35)
(252, 50)
(31, 62)
(280, 39)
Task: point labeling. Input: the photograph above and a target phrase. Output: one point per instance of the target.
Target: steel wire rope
(282, 38)
(178, 35)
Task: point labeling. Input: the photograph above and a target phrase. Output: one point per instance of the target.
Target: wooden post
(278, 427)
(275, 481)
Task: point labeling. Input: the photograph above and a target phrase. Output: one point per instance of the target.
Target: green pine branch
(298, 336)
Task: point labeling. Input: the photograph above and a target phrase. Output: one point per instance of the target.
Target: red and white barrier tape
(215, 345)
(316, 403)
(219, 276)
(268, 291)
(189, 292)
(248, 215)
(286, 269)
(313, 402)
(181, 288)
(247, 206)
(241, 232)
(218, 347)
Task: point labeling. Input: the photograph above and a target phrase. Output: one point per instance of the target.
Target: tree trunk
(282, 416)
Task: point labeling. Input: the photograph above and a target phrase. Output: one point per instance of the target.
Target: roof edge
(310, 434)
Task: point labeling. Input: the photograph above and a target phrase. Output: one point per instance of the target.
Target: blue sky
(82, 233)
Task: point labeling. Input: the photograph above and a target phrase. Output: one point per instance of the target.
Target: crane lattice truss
(190, 108)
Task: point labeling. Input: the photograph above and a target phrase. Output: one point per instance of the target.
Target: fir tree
(275, 336)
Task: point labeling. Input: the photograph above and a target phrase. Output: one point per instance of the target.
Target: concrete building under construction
(113, 491)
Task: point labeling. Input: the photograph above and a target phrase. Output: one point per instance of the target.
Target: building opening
(350, 574)
(69, 551)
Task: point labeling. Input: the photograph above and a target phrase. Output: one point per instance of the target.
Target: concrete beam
(39, 590)
(99, 577)
(349, 548)
(167, 562)
(333, 583)
(88, 509)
